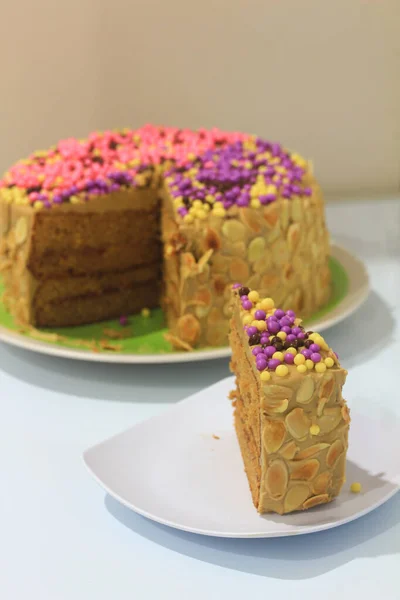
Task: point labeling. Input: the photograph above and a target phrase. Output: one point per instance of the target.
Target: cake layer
(59, 289)
(92, 261)
(80, 310)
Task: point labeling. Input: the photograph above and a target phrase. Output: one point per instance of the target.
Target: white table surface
(61, 537)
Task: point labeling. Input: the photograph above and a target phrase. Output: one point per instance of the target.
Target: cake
(97, 228)
(290, 417)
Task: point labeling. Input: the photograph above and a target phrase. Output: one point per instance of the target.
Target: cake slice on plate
(291, 419)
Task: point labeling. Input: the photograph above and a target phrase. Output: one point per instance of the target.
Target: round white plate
(357, 294)
(183, 469)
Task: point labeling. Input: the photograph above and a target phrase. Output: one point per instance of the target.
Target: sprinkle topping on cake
(248, 173)
(207, 171)
(278, 339)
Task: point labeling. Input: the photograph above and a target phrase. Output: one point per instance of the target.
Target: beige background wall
(321, 76)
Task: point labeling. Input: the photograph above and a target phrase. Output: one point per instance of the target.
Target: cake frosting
(91, 229)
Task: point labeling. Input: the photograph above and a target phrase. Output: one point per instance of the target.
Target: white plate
(357, 294)
(172, 470)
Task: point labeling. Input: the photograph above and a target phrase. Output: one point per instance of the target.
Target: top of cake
(205, 169)
(277, 339)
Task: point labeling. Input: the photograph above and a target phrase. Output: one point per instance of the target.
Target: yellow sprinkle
(247, 319)
(292, 351)
(282, 335)
(38, 205)
(188, 219)
(191, 156)
(320, 367)
(253, 296)
(197, 204)
(218, 204)
(299, 359)
(267, 304)
(201, 214)
(301, 368)
(255, 203)
(178, 201)
(210, 199)
(281, 370)
(355, 487)
(278, 356)
(206, 207)
(314, 429)
(265, 376)
(329, 362)
(309, 364)
(75, 200)
(313, 336)
(261, 325)
(145, 312)
(218, 212)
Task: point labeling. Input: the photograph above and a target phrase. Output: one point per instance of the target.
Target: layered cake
(291, 420)
(92, 229)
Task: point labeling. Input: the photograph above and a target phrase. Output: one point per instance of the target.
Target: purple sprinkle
(286, 329)
(315, 357)
(273, 326)
(123, 320)
(260, 315)
(256, 350)
(315, 348)
(301, 335)
(307, 353)
(236, 286)
(273, 363)
(289, 358)
(290, 338)
(269, 351)
(296, 330)
(284, 322)
(247, 305)
(251, 330)
(279, 313)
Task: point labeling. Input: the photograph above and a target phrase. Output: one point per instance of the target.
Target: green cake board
(148, 332)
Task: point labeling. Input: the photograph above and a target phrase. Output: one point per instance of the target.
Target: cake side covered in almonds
(92, 229)
(291, 419)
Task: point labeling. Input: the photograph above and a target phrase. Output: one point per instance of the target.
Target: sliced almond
(345, 413)
(188, 329)
(220, 263)
(315, 500)
(239, 269)
(293, 236)
(305, 391)
(311, 451)
(252, 219)
(322, 483)
(330, 420)
(274, 433)
(285, 209)
(326, 387)
(334, 452)
(21, 231)
(297, 423)
(277, 392)
(271, 214)
(234, 230)
(212, 240)
(296, 496)
(306, 470)
(276, 479)
(320, 406)
(289, 450)
(277, 407)
(256, 249)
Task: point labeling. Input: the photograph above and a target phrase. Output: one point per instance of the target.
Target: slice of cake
(291, 419)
